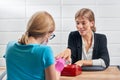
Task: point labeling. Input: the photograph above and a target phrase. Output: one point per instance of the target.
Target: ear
(92, 23)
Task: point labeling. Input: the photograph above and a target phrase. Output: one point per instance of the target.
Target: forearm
(87, 62)
(96, 62)
(50, 73)
(57, 75)
(84, 63)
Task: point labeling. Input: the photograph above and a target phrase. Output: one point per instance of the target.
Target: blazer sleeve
(72, 46)
(103, 50)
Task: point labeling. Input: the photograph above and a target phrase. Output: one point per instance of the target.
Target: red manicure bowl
(71, 70)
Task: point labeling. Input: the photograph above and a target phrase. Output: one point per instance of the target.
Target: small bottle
(59, 65)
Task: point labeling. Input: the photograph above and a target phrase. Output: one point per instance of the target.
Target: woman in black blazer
(85, 47)
(99, 49)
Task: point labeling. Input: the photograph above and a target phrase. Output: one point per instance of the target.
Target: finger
(65, 56)
(57, 57)
(78, 64)
(60, 55)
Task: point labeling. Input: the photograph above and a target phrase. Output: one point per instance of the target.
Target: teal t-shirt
(27, 62)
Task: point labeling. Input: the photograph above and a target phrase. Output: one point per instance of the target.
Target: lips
(82, 31)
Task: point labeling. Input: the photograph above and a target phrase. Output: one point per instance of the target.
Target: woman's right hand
(66, 54)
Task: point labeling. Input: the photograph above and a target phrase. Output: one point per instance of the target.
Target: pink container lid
(59, 65)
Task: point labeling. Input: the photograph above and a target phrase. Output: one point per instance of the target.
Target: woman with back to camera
(29, 58)
(85, 47)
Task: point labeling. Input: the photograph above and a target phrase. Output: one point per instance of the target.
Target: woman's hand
(84, 63)
(80, 62)
(66, 54)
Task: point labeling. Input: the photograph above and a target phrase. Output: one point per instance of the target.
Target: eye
(77, 23)
(83, 23)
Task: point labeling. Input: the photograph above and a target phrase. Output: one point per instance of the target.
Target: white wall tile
(56, 49)
(12, 12)
(108, 2)
(2, 50)
(53, 10)
(112, 36)
(68, 24)
(12, 9)
(9, 36)
(108, 24)
(42, 2)
(108, 11)
(58, 26)
(2, 62)
(12, 3)
(114, 50)
(12, 25)
(64, 37)
(69, 11)
(79, 2)
(114, 60)
(63, 46)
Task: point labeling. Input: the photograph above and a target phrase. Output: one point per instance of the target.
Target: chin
(82, 34)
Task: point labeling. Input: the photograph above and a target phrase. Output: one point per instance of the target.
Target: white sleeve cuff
(98, 62)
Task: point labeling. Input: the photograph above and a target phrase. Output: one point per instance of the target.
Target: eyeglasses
(51, 36)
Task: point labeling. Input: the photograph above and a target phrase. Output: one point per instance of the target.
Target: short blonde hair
(88, 14)
(39, 25)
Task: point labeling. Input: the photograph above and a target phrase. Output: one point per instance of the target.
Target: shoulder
(42, 48)
(11, 43)
(99, 36)
(46, 48)
(74, 33)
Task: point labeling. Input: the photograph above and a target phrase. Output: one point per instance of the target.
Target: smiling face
(84, 25)
(85, 21)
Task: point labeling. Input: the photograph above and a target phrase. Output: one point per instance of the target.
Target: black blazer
(99, 51)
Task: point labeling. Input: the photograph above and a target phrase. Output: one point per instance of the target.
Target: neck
(88, 38)
(32, 40)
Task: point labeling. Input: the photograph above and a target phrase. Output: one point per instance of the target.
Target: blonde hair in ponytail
(24, 38)
(39, 25)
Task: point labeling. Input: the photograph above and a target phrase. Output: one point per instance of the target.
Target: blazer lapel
(95, 46)
(79, 47)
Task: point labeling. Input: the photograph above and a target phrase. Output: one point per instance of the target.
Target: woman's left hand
(84, 63)
(80, 63)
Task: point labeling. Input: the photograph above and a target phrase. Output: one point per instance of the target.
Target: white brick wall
(14, 15)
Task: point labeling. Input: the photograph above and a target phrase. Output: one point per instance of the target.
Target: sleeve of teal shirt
(8, 46)
(48, 57)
